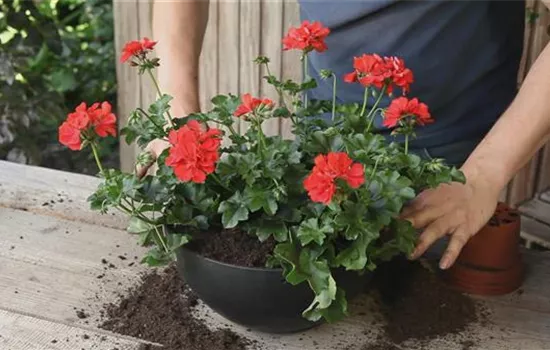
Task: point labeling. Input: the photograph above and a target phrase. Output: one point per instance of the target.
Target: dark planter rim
(257, 269)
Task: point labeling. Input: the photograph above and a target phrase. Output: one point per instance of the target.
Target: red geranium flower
(320, 187)
(307, 37)
(251, 104)
(82, 120)
(71, 129)
(401, 75)
(335, 165)
(402, 108)
(103, 120)
(136, 48)
(369, 70)
(373, 70)
(194, 152)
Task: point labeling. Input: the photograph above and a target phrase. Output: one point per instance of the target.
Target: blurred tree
(54, 54)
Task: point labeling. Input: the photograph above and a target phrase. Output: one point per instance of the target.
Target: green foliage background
(54, 54)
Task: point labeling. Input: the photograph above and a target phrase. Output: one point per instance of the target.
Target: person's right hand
(154, 148)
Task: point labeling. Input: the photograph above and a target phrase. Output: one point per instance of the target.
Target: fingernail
(412, 256)
(444, 264)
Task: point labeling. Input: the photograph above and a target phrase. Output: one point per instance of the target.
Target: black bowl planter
(257, 298)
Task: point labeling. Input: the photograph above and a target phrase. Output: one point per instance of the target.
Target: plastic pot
(490, 263)
(257, 298)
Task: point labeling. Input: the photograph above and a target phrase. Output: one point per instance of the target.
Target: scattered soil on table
(160, 310)
(233, 247)
(416, 304)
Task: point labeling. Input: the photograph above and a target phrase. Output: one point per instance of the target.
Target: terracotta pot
(490, 263)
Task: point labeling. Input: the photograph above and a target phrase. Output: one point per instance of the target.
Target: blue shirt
(464, 55)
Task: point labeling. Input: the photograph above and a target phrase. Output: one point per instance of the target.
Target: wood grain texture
(228, 51)
(126, 19)
(23, 332)
(54, 193)
(291, 66)
(272, 33)
(208, 64)
(249, 47)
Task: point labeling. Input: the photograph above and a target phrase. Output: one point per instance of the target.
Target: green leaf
(63, 80)
(160, 106)
(289, 256)
(176, 240)
(233, 210)
(157, 257)
(336, 311)
(309, 231)
(136, 225)
(355, 256)
(276, 228)
(258, 198)
(458, 175)
(219, 100)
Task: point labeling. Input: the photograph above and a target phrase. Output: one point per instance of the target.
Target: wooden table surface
(51, 247)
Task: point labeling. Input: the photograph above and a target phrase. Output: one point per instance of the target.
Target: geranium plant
(330, 197)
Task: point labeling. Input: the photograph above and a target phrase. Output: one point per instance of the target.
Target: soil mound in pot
(233, 247)
(160, 310)
(416, 304)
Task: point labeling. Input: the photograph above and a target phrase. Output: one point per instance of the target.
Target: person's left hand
(458, 210)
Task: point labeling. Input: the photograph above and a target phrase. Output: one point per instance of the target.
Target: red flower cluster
(194, 152)
(251, 104)
(373, 70)
(320, 183)
(401, 108)
(137, 48)
(307, 37)
(97, 117)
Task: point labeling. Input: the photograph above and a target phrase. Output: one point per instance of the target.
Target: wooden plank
(126, 20)
(208, 66)
(249, 48)
(535, 231)
(22, 332)
(272, 34)
(537, 209)
(228, 50)
(148, 92)
(291, 67)
(52, 192)
(50, 266)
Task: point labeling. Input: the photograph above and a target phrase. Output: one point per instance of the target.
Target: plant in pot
(272, 233)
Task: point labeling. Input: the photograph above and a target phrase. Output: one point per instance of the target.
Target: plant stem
(334, 96)
(306, 75)
(370, 116)
(406, 143)
(96, 157)
(150, 119)
(365, 99)
(160, 94)
(279, 91)
(161, 239)
(217, 179)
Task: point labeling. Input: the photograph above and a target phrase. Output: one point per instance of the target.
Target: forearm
(179, 27)
(518, 134)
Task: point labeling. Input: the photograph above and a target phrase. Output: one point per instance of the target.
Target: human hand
(154, 149)
(458, 210)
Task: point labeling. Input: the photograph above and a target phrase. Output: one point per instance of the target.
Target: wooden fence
(240, 30)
